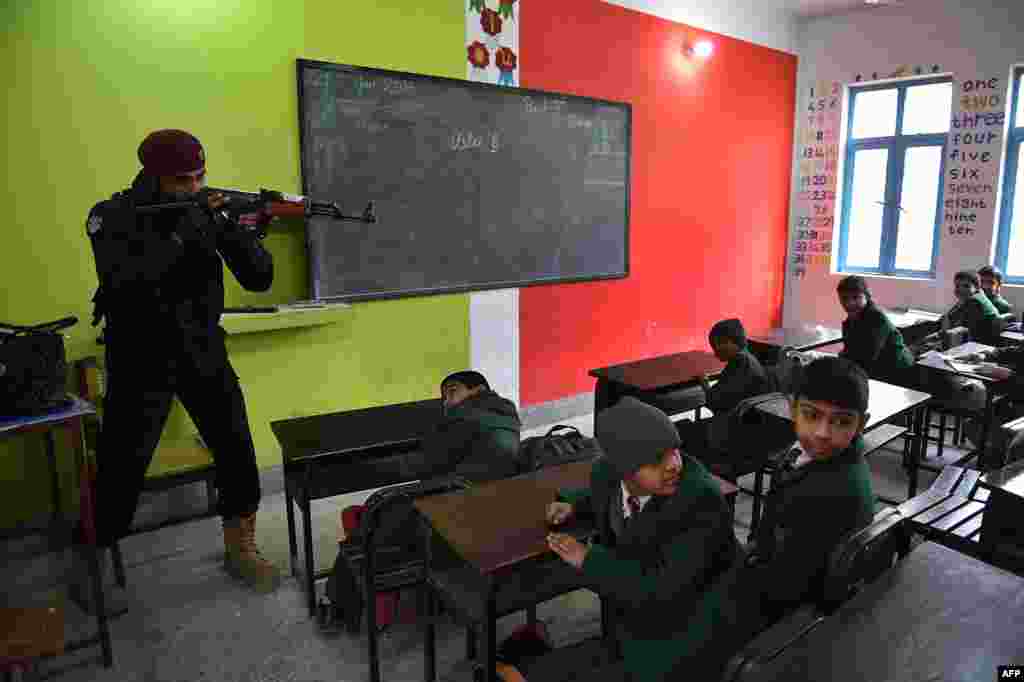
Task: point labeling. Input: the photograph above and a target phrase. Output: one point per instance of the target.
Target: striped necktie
(634, 506)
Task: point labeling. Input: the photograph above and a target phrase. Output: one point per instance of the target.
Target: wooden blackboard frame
(303, 64)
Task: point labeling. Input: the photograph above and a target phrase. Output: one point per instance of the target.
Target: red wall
(712, 150)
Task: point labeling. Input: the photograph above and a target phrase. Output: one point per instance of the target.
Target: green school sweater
(670, 575)
(874, 343)
(979, 316)
(1001, 305)
(806, 515)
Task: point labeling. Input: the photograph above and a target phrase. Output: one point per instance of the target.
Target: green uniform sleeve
(815, 515)
(870, 340)
(686, 561)
(581, 499)
(442, 449)
(733, 386)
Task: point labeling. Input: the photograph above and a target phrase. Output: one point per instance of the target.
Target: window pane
(874, 113)
(916, 226)
(1019, 121)
(864, 229)
(1015, 252)
(927, 108)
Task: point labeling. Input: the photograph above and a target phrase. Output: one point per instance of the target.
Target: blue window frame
(1010, 242)
(888, 215)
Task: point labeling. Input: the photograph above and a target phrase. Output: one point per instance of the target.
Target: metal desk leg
(429, 610)
(755, 514)
(983, 460)
(470, 643)
(308, 566)
(604, 396)
(491, 634)
(293, 544)
(370, 599)
(88, 513)
(918, 447)
(51, 457)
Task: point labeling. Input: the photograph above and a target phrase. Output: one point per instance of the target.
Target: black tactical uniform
(162, 293)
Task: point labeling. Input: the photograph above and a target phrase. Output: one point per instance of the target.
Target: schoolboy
(991, 279)
(742, 377)
(476, 437)
(973, 310)
(869, 338)
(665, 556)
(821, 491)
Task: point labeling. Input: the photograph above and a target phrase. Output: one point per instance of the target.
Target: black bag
(557, 448)
(33, 368)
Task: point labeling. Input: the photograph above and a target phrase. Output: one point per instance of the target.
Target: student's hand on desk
(995, 371)
(571, 550)
(558, 513)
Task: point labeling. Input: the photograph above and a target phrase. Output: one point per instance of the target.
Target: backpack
(555, 448)
(33, 368)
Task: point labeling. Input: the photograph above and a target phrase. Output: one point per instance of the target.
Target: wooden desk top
(77, 408)
(885, 401)
(503, 522)
(799, 338)
(662, 371)
(353, 431)
(902, 319)
(31, 632)
(936, 615)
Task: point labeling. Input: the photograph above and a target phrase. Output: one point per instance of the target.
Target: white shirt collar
(626, 511)
(801, 459)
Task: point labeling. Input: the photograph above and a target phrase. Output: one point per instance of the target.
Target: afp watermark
(1010, 672)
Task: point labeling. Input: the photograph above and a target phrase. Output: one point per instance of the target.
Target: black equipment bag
(33, 368)
(557, 448)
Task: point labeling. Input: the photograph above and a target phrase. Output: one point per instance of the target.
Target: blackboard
(476, 186)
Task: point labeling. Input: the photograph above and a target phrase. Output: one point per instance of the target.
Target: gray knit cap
(633, 434)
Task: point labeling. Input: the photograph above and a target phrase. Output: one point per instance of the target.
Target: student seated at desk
(991, 279)
(665, 557)
(743, 377)
(1004, 364)
(973, 310)
(869, 338)
(476, 437)
(820, 491)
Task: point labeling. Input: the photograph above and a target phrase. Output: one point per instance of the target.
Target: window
(892, 184)
(1010, 243)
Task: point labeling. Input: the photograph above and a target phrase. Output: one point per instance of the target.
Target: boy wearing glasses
(821, 491)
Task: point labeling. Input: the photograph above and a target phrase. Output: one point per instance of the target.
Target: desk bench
(951, 511)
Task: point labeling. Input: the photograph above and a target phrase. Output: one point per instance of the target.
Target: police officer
(162, 293)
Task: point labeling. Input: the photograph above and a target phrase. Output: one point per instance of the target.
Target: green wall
(87, 80)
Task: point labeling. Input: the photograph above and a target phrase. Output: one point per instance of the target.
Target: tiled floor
(190, 622)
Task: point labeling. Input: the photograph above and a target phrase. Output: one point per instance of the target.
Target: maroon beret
(171, 152)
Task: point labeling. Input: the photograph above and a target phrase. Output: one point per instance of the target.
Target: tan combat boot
(242, 557)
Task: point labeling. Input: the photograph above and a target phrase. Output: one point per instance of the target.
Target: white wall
(976, 40)
(761, 22)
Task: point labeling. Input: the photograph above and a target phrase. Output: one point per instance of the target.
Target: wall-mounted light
(701, 48)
